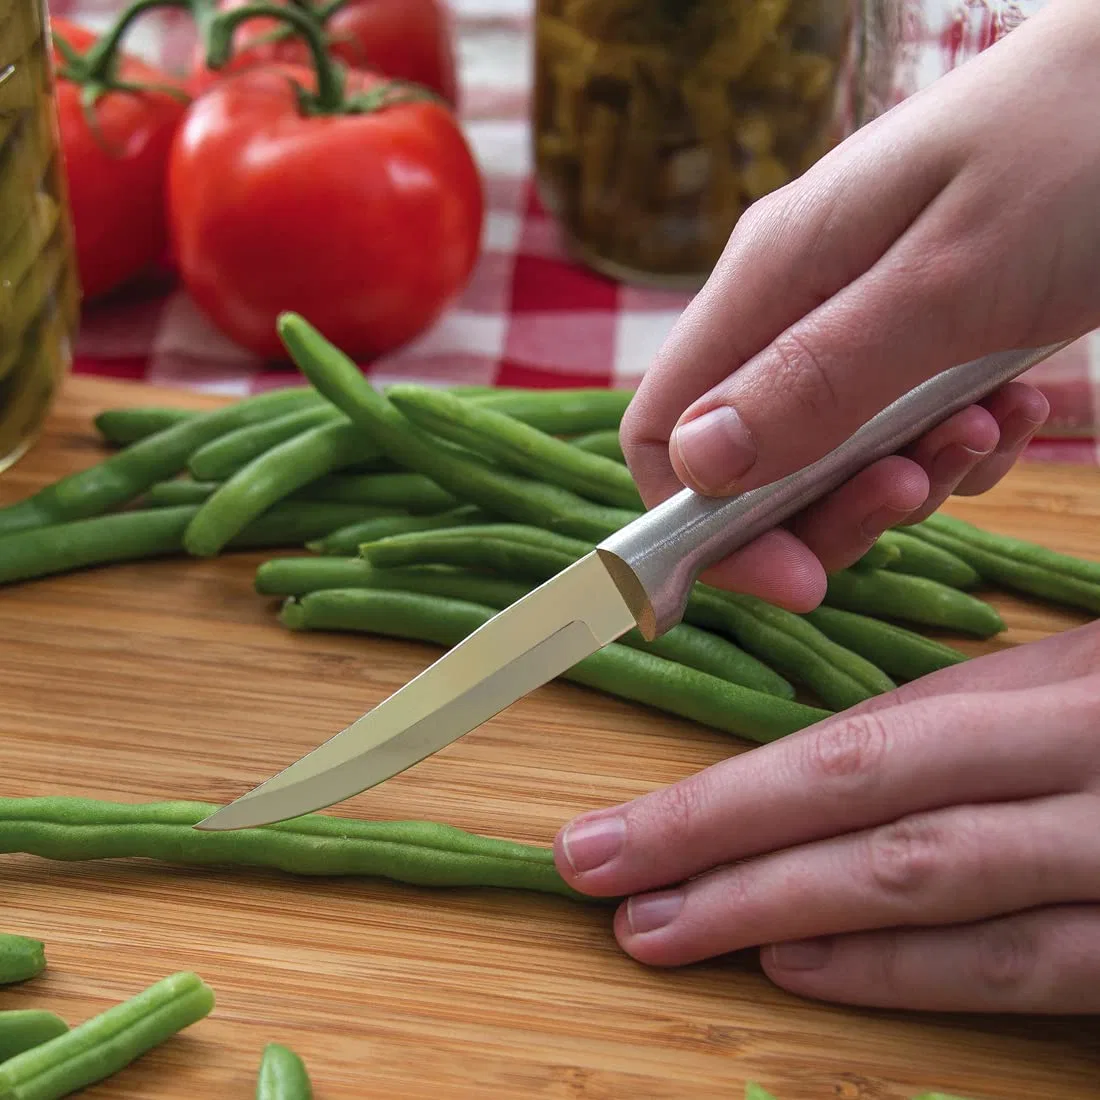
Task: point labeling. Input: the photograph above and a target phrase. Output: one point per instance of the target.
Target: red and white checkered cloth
(529, 316)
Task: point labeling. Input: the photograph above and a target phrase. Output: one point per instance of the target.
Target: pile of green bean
(42, 1058)
(424, 511)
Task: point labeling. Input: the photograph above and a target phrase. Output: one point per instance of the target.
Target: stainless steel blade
(538, 638)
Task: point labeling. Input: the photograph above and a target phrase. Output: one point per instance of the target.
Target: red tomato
(116, 177)
(366, 224)
(405, 39)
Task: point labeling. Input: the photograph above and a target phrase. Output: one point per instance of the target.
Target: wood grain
(173, 680)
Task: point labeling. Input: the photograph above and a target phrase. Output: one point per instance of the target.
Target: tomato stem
(97, 66)
(329, 98)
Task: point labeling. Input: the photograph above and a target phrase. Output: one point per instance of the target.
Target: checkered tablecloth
(529, 316)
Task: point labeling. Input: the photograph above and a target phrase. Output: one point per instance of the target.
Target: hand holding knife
(640, 577)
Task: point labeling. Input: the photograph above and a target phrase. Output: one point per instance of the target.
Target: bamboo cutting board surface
(165, 680)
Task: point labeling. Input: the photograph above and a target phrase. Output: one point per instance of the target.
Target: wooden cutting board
(173, 680)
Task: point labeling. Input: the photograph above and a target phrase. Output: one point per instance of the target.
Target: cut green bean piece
(881, 592)
(921, 559)
(22, 1029)
(156, 532)
(897, 651)
(348, 539)
(282, 1076)
(1018, 574)
(518, 447)
(615, 669)
(881, 554)
(224, 456)
(107, 1043)
(420, 853)
(20, 958)
(753, 1091)
(468, 477)
(121, 427)
(126, 475)
(604, 443)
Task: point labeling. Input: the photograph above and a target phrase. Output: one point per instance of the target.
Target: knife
(641, 576)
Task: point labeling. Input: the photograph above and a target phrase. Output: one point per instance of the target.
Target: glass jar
(657, 122)
(39, 295)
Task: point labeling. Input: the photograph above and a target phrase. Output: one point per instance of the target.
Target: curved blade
(528, 644)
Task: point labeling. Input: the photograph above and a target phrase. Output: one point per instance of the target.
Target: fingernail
(1016, 430)
(716, 449)
(802, 954)
(648, 912)
(882, 520)
(591, 842)
(951, 463)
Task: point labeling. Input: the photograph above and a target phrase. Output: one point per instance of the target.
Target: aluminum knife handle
(667, 548)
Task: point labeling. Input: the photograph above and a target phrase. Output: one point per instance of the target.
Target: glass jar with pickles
(39, 295)
(657, 122)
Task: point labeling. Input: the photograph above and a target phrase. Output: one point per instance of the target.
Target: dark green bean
(21, 1029)
(20, 958)
(348, 539)
(177, 492)
(108, 1042)
(614, 670)
(155, 532)
(421, 853)
(282, 1076)
(684, 644)
(921, 559)
(881, 554)
(412, 493)
(1018, 549)
(900, 652)
(224, 456)
(881, 592)
(778, 638)
(1019, 575)
(468, 477)
(121, 427)
(127, 474)
(604, 443)
(517, 447)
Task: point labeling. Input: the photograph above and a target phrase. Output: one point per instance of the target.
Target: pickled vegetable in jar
(39, 295)
(658, 122)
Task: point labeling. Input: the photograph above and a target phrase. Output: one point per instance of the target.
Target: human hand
(934, 848)
(960, 223)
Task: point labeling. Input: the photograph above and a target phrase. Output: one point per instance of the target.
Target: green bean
(684, 644)
(127, 474)
(468, 477)
(753, 1091)
(615, 669)
(1017, 549)
(921, 559)
(412, 493)
(517, 447)
(108, 1042)
(881, 554)
(179, 491)
(121, 427)
(604, 443)
(154, 532)
(20, 958)
(282, 1076)
(1018, 575)
(897, 651)
(793, 647)
(21, 1029)
(348, 539)
(881, 592)
(420, 853)
(224, 456)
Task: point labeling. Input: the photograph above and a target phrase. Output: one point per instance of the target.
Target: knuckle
(1006, 955)
(903, 858)
(849, 753)
(799, 371)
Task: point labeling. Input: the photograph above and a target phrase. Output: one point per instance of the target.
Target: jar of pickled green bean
(39, 294)
(657, 122)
